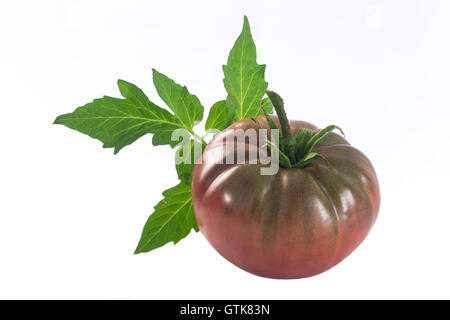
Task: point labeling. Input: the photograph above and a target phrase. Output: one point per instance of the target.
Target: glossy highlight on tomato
(294, 224)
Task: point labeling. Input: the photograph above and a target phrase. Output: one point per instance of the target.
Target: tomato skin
(295, 224)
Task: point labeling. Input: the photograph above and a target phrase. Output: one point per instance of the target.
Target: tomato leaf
(301, 138)
(186, 157)
(283, 159)
(267, 105)
(218, 117)
(310, 157)
(172, 220)
(187, 107)
(319, 136)
(244, 78)
(270, 122)
(119, 122)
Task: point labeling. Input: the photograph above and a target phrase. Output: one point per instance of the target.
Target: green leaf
(270, 122)
(172, 220)
(119, 122)
(319, 136)
(267, 105)
(301, 138)
(310, 157)
(187, 107)
(218, 117)
(303, 135)
(283, 158)
(244, 78)
(185, 159)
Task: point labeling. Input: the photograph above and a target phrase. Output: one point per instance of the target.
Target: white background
(71, 213)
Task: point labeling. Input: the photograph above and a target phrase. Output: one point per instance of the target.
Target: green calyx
(294, 151)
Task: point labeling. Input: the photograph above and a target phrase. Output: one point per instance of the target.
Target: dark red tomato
(295, 224)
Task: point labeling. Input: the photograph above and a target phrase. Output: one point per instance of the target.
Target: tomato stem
(295, 151)
(287, 141)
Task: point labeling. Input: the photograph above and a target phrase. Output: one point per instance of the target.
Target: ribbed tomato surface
(294, 224)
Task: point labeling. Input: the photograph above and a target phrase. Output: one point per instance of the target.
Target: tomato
(294, 224)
